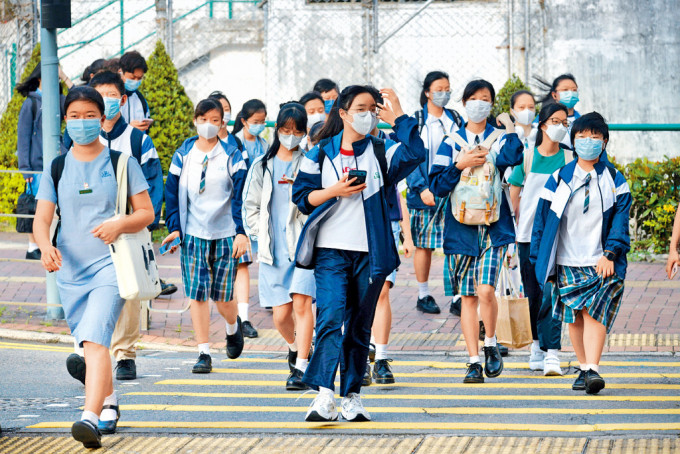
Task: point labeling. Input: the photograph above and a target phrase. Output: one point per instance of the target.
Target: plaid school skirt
(463, 273)
(582, 288)
(427, 226)
(208, 269)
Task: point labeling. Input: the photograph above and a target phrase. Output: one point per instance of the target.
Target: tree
(171, 108)
(502, 103)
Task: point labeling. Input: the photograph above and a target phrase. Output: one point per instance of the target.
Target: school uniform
(394, 208)
(87, 279)
(136, 108)
(427, 222)
(582, 216)
(349, 243)
(203, 202)
(474, 254)
(276, 223)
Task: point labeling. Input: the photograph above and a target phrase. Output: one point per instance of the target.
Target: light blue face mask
(588, 148)
(132, 85)
(111, 107)
(328, 105)
(84, 131)
(568, 98)
(255, 130)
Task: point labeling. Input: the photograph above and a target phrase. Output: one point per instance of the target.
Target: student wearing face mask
(580, 240)
(526, 182)
(132, 69)
(563, 90)
(329, 93)
(523, 111)
(427, 211)
(224, 135)
(276, 222)
(203, 199)
(348, 238)
(474, 253)
(82, 183)
(314, 106)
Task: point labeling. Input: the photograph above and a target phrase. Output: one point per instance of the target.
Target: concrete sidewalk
(647, 321)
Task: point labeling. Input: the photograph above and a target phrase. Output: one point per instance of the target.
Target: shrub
(170, 106)
(502, 103)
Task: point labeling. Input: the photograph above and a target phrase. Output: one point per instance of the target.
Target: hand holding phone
(360, 176)
(674, 271)
(165, 248)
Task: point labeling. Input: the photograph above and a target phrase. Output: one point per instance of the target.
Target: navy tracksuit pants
(345, 295)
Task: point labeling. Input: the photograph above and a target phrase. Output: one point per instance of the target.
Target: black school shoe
(109, 427)
(203, 365)
(382, 373)
(126, 369)
(87, 433)
(594, 382)
(75, 365)
(249, 330)
(235, 341)
(580, 383)
(167, 289)
(292, 358)
(504, 350)
(294, 382)
(474, 373)
(456, 306)
(371, 352)
(34, 255)
(427, 305)
(367, 376)
(493, 362)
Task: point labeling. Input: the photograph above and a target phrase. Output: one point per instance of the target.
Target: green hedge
(502, 102)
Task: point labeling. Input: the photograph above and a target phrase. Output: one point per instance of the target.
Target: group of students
(322, 209)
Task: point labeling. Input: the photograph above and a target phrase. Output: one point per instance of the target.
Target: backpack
(476, 199)
(529, 159)
(378, 150)
(136, 141)
(457, 120)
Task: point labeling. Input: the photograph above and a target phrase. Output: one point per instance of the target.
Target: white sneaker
(353, 409)
(322, 408)
(551, 366)
(536, 359)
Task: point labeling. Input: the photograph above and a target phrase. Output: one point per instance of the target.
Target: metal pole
(122, 27)
(51, 132)
(170, 31)
(526, 41)
(511, 36)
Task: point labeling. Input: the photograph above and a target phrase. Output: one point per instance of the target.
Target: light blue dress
(254, 149)
(276, 283)
(87, 279)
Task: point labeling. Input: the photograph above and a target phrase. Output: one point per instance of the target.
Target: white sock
(77, 348)
(204, 348)
(243, 311)
(90, 416)
(292, 347)
(474, 360)
(490, 341)
(32, 247)
(327, 391)
(552, 352)
(301, 364)
(380, 351)
(535, 345)
(109, 414)
(594, 367)
(423, 289)
(583, 367)
(232, 328)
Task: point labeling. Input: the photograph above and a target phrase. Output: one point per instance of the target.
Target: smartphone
(360, 176)
(674, 271)
(165, 248)
(148, 120)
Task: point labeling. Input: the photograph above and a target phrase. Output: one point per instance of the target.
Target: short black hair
(84, 93)
(475, 85)
(206, 105)
(310, 96)
(132, 60)
(591, 122)
(324, 85)
(519, 93)
(94, 68)
(219, 95)
(108, 78)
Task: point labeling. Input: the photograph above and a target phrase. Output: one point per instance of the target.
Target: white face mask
(226, 117)
(477, 110)
(374, 123)
(524, 117)
(362, 122)
(207, 130)
(556, 132)
(290, 141)
(315, 118)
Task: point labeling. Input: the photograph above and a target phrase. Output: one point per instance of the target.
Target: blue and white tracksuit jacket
(176, 192)
(444, 176)
(616, 202)
(402, 159)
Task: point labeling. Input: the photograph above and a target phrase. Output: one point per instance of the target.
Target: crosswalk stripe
(198, 382)
(420, 410)
(454, 397)
(375, 425)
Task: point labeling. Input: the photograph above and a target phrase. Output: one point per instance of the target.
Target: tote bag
(513, 328)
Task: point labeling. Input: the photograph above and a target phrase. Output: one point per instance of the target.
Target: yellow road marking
(199, 382)
(423, 410)
(291, 395)
(374, 425)
(38, 347)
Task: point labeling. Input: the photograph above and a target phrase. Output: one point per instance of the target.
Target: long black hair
(427, 83)
(290, 111)
(546, 112)
(552, 88)
(249, 109)
(84, 93)
(334, 123)
(31, 83)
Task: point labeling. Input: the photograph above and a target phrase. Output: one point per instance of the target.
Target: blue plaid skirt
(427, 226)
(582, 288)
(208, 269)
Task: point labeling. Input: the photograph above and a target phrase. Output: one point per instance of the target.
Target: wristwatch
(610, 255)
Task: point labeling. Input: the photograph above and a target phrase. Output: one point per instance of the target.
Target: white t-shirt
(209, 213)
(345, 228)
(580, 235)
